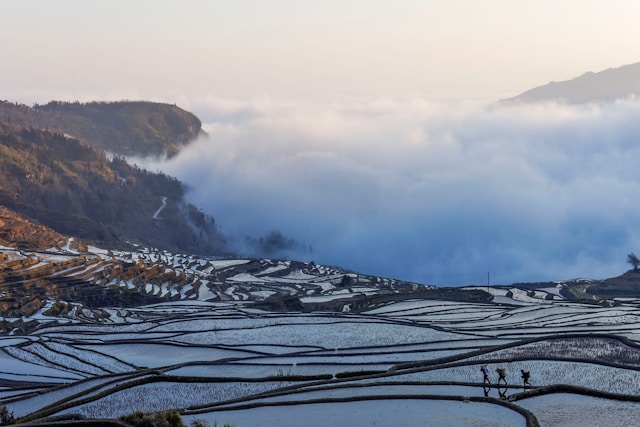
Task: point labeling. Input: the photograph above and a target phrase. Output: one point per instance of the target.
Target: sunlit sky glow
(182, 50)
(365, 130)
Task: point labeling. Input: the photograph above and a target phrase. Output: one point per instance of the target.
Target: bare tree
(633, 260)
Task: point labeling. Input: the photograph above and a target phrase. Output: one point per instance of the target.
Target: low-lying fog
(433, 193)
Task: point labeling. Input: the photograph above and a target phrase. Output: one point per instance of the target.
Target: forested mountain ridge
(67, 185)
(125, 127)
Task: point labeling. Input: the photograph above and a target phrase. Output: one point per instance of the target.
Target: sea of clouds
(438, 193)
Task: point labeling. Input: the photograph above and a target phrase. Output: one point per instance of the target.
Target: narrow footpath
(164, 204)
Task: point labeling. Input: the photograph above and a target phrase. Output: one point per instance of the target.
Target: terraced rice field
(411, 362)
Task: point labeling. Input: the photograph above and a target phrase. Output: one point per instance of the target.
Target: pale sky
(180, 51)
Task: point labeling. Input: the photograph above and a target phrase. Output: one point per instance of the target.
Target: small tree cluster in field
(154, 419)
(6, 417)
(633, 260)
(160, 419)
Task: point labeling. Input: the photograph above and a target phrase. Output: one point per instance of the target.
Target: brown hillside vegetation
(18, 231)
(28, 281)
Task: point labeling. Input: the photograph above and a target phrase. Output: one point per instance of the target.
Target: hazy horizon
(186, 51)
(365, 131)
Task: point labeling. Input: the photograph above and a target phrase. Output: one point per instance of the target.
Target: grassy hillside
(127, 128)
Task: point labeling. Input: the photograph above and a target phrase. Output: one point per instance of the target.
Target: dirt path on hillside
(164, 204)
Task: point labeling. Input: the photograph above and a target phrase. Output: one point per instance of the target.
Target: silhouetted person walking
(525, 377)
(502, 375)
(485, 373)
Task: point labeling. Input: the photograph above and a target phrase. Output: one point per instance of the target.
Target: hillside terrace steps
(71, 269)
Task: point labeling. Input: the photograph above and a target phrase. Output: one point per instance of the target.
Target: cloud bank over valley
(434, 193)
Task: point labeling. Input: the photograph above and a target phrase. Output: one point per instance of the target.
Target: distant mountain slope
(127, 128)
(607, 85)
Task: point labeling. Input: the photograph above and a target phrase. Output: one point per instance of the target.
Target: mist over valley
(429, 192)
